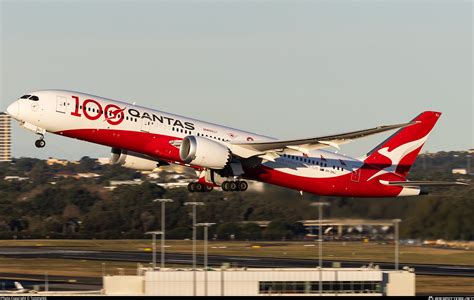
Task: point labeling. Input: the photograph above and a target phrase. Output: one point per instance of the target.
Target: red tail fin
(400, 150)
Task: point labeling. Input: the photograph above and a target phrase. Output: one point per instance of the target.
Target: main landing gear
(227, 186)
(234, 186)
(199, 187)
(40, 143)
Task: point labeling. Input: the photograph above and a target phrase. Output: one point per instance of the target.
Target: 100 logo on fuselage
(114, 115)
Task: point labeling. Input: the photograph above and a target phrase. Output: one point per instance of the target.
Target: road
(218, 260)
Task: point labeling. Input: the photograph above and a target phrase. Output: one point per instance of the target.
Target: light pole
(194, 204)
(154, 233)
(46, 283)
(396, 222)
(320, 240)
(206, 227)
(163, 202)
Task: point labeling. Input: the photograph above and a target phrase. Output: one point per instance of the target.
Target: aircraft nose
(13, 109)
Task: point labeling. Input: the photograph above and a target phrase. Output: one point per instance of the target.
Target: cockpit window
(34, 98)
(25, 97)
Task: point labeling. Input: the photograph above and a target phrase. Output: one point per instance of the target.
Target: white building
(264, 282)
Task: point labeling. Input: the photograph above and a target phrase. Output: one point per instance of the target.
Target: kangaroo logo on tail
(398, 153)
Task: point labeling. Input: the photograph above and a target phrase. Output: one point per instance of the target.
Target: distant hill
(76, 200)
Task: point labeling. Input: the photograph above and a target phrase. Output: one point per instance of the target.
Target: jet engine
(132, 160)
(204, 152)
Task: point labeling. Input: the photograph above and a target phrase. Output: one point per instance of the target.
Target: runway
(218, 260)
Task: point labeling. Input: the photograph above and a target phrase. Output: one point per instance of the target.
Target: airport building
(5, 137)
(263, 282)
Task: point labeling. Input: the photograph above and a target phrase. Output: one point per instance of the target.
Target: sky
(287, 69)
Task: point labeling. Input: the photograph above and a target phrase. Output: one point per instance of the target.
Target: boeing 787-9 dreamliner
(144, 139)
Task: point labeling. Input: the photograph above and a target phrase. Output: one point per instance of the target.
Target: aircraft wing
(247, 149)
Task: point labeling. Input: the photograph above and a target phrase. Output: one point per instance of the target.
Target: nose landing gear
(40, 143)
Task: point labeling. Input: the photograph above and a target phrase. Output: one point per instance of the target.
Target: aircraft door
(61, 104)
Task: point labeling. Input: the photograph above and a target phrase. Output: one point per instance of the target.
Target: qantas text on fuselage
(144, 139)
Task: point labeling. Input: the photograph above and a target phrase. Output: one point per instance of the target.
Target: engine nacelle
(204, 152)
(132, 160)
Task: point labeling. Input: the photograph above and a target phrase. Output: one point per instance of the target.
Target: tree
(277, 230)
(147, 219)
(179, 233)
(71, 212)
(227, 231)
(250, 231)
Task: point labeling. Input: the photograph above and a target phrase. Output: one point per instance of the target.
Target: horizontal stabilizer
(422, 183)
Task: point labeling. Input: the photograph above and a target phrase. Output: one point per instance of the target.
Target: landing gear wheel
(198, 187)
(233, 186)
(225, 186)
(191, 187)
(243, 185)
(40, 143)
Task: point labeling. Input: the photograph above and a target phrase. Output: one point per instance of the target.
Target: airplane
(144, 139)
(19, 289)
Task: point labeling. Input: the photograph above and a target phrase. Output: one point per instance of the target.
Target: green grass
(64, 267)
(331, 250)
(444, 285)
